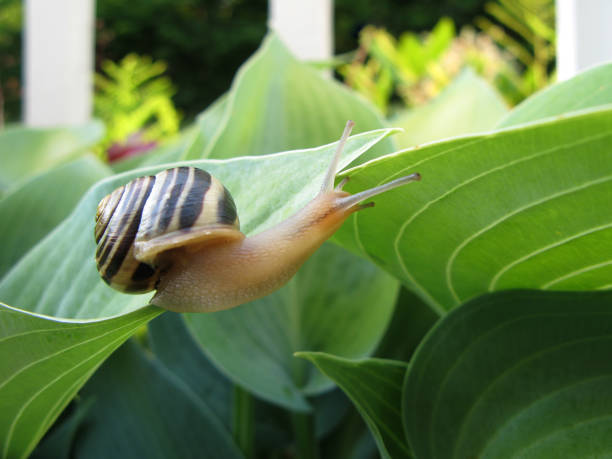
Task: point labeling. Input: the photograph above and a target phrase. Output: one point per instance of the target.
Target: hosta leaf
(468, 105)
(25, 152)
(140, 409)
(278, 103)
(206, 126)
(515, 374)
(30, 210)
(592, 88)
(58, 276)
(520, 208)
(254, 343)
(375, 387)
(44, 362)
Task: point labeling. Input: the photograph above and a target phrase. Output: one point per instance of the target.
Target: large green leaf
(375, 387)
(30, 211)
(140, 409)
(515, 374)
(592, 88)
(58, 276)
(44, 362)
(526, 207)
(206, 127)
(278, 103)
(254, 343)
(29, 151)
(468, 105)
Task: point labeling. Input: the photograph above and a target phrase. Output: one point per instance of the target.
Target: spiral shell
(151, 215)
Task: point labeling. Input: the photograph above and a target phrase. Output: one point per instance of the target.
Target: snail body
(186, 243)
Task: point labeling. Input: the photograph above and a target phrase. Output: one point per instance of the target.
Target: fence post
(584, 35)
(305, 26)
(58, 47)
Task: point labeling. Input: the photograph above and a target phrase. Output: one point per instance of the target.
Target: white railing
(58, 45)
(584, 35)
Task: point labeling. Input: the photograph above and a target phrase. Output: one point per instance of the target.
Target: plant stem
(304, 435)
(243, 419)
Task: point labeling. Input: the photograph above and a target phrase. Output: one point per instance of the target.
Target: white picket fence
(59, 47)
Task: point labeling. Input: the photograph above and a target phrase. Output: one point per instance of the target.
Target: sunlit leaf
(520, 208)
(592, 88)
(278, 103)
(467, 106)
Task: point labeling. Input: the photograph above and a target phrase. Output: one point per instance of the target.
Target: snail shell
(138, 223)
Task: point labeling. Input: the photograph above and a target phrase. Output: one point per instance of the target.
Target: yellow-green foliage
(534, 22)
(133, 97)
(415, 67)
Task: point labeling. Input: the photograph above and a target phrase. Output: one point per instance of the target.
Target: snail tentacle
(328, 181)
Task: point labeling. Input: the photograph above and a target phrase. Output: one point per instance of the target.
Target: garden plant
(466, 315)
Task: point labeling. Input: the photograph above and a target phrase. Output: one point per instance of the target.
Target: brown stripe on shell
(129, 225)
(120, 264)
(194, 198)
(168, 210)
(226, 209)
(113, 227)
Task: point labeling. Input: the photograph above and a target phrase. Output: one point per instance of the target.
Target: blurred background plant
(414, 69)
(203, 42)
(526, 30)
(514, 52)
(10, 60)
(134, 100)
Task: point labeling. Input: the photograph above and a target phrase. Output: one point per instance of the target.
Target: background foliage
(204, 42)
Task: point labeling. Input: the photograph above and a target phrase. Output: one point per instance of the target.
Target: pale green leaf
(43, 363)
(40, 203)
(592, 88)
(467, 106)
(278, 103)
(208, 123)
(515, 374)
(25, 152)
(375, 387)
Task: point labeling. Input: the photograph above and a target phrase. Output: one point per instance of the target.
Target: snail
(178, 232)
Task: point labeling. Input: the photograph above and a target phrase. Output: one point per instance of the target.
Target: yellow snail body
(178, 233)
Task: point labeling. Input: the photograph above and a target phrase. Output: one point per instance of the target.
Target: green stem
(243, 418)
(304, 433)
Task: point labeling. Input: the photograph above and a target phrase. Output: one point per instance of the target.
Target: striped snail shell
(140, 222)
